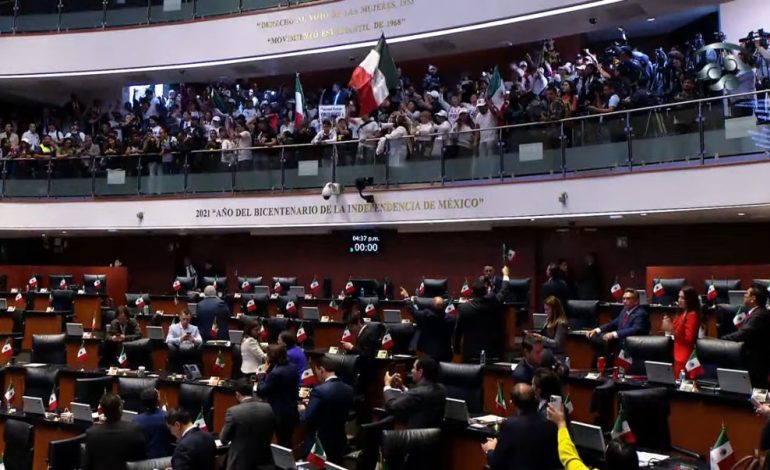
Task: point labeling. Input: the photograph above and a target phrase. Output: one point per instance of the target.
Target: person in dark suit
(590, 283)
(494, 283)
(278, 384)
(212, 309)
(480, 323)
(248, 429)
(188, 270)
(123, 328)
(109, 445)
(368, 336)
(532, 352)
(327, 410)
(433, 335)
(152, 422)
(195, 449)
(525, 441)
(421, 406)
(633, 320)
(755, 335)
(555, 285)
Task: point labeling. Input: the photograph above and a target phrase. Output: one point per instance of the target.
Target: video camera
(751, 39)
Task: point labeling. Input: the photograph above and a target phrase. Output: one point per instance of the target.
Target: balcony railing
(689, 133)
(22, 16)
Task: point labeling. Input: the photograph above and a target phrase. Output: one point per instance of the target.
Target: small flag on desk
(263, 334)
(308, 377)
(739, 319)
(177, 286)
(617, 291)
(200, 422)
(500, 399)
(219, 363)
(215, 329)
(97, 284)
(277, 287)
(19, 297)
(693, 366)
(350, 288)
(315, 288)
(466, 290)
(33, 282)
(317, 454)
(370, 310)
(450, 309)
(333, 307)
(9, 394)
(658, 290)
(52, 402)
(82, 353)
(63, 284)
(123, 359)
(347, 335)
(301, 334)
(711, 294)
(291, 307)
(93, 324)
(99, 410)
(624, 359)
(387, 341)
(421, 289)
(165, 405)
(140, 302)
(7, 348)
(246, 286)
(621, 430)
(251, 306)
(722, 455)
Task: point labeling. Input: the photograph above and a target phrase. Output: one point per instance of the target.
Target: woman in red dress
(684, 327)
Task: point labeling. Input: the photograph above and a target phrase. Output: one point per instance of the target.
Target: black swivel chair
(283, 302)
(62, 299)
(39, 382)
(725, 313)
(286, 282)
(108, 314)
(402, 334)
(413, 449)
(131, 302)
(347, 369)
(64, 454)
(49, 349)
(582, 314)
(130, 389)
(275, 326)
(195, 398)
(91, 390)
(364, 301)
(435, 288)
(671, 288)
(723, 286)
(19, 445)
(139, 353)
(648, 348)
(149, 464)
(716, 354)
(423, 303)
(371, 440)
(463, 382)
(251, 281)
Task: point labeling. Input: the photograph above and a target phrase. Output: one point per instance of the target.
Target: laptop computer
(297, 291)
(81, 412)
(155, 332)
(391, 316)
(128, 416)
(33, 405)
(310, 313)
(587, 436)
(456, 410)
(75, 329)
(735, 297)
(734, 381)
(538, 321)
(284, 459)
(261, 290)
(642, 301)
(659, 372)
(236, 336)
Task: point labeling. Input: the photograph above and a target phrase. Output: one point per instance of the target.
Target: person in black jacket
(433, 335)
(368, 336)
(421, 406)
(278, 384)
(111, 444)
(212, 309)
(755, 335)
(480, 323)
(555, 285)
(327, 411)
(525, 441)
(152, 422)
(195, 449)
(248, 429)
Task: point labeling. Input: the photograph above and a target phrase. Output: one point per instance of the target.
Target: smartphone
(555, 401)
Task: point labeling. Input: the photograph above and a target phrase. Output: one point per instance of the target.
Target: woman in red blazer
(684, 327)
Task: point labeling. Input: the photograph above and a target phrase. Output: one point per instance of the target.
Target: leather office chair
(261, 302)
(195, 398)
(49, 349)
(39, 381)
(371, 440)
(19, 445)
(275, 326)
(423, 303)
(402, 334)
(716, 353)
(283, 300)
(61, 300)
(671, 288)
(130, 389)
(582, 314)
(435, 288)
(149, 464)
(253, 281)
(364, 301)
(131, 302)
(725, 313)
(518, 291)
(413, 449)
(64, 454)
(177, 358)
(139, 353)
(286, 282)
(90, 390)
(463, 382)
(108, 314)
(648, 348)
(723, 286)
(347, 369)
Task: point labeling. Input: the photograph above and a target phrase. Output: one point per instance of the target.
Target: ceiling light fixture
(651, 19)
(616, 216)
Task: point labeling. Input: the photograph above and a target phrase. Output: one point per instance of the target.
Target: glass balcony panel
(258, 169)
(211, 172)
(737, 126)
(116, 175)
(27, 177)
(71, 177)
(468, 155)
(85, 14)
(531, 150)
(664, 135)
(216, 7)
(308, 166)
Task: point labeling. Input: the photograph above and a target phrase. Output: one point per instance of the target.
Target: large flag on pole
(496, 89)
(299, 104)
(374, 78)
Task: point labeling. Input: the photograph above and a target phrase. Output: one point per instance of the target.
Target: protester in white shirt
(399, 141)
(485, 119)
(56, 135)
(228, 155)
(326, 134)
(242, 141)
(31, 137)
(442, 129)
(424, 138)
(463, 135)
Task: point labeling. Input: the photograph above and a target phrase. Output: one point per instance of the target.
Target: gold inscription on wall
(357, 17)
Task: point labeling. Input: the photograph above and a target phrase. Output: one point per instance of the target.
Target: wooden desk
(45, 432)
(494, 374)
(40, 300)
(40, 323)
(86, 308)
(92, 352)
(463, 449)
(6, 320)
(168, 304)
(67, 378)
(511, 330)
(327, 334)
(223, 398)
(579, 350)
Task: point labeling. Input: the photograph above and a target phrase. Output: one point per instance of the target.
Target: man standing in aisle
(754, 332)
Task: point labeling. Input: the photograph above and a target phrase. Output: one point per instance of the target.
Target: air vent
(440, 46)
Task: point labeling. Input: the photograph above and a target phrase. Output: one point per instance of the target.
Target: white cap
(216, 118)
(481, 102)
(442, 113)
(434, 94)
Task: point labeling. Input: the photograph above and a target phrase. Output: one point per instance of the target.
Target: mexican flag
(277, 288)
(97, 284)
(291, 307)
(245, 286)
(123, 359)
(19, 297)
(333, 307)
(219, 363)
(62, 284)
(165, 405)
(317, 454)
(496, 90)
(82, 353)
(568, 406)
(374, 78)
(214, 329)
(53, 403)
(617, 291)
(421, 289)
(722, 455)
(500, 399)
(370, 310)
(347, 335)
(624, 360)
(387, 341)
(99, 410)
(308, 377)
(658, 290)
(711, 294)
(200, 422)
(301, 334)
(7, 348)
(350, 288)
(263, 333)
(140, 302)
(177, 286)
(739, 319)
(10, 393)
(33, 282)
(466, 290)
(450, 309)
(693, 366)
(251, 306)
(315, 288)
(299, 103)
(622, 430)
(93, 323)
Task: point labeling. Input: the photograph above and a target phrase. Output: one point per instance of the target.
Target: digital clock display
(364, 242)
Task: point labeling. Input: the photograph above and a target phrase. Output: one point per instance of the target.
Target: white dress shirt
(175, 333)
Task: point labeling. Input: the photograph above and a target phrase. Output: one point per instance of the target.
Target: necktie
(625, 318)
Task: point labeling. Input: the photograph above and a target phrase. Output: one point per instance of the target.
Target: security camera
(329, 190)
